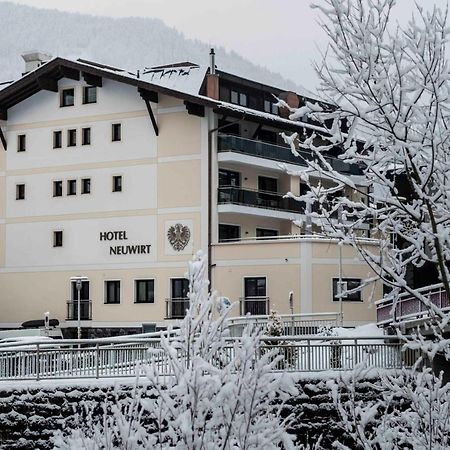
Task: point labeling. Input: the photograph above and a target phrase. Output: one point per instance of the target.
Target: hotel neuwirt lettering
(128, 249)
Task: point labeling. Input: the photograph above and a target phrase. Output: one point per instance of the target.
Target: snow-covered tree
(220, 394)
(386, 91)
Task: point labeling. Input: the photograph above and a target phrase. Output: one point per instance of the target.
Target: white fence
(122, 358)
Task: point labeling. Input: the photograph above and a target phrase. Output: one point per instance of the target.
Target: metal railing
(230, 143)
(85, 310)
(259, 199)
(256, 306)
(293, 324)
(71, 359)
(176, 307)
(409, 308)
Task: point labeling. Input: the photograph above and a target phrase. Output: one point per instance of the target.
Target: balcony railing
(256, 306)
(176, 307)
(408, 308)
(229, 143)
(259, 199)
(85, 310)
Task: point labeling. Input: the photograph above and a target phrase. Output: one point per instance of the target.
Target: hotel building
(121, 177)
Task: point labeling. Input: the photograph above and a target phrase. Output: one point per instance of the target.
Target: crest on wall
(178, 236)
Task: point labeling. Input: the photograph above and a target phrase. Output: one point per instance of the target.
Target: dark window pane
(57, 239)
(86, 136)
(116, 132)
(243, 99)
(84, 291)
(348, 284)
(57, 188)
(20, 191)
(255, 287)
(21, 143)
(117, 183)
(234, 97)
(57, 139)
(229, 232)
(71, 187)
(71, 138)
(229, 178)
(112, 291)
(179, 287)
(86, 186)
(89, 94)
(68, 97)
(144, 291)
(263, 232)
(267, 184)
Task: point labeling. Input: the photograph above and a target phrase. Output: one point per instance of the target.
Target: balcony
(85, 310)
(255, 306)
(259, 199)
(229, 143)
(176, 307)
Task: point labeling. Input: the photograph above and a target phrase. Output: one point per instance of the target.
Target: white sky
(282, 35)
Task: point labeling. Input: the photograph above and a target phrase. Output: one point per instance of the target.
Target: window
(348, 284)
(57, 139)
(238, 98)
(229, 178)
(71, 187)
(71, 138)
(255, 287)
(89, 94)
(57, 188)
(20, 192)
(264, 232)
(267, 184)
(21, 143)
(85, 136)
(85, 185)
(117, 183)
(67, 97)
(112, 292)
(57, 239)
(255, 301)
(270, 107)
(229, 233)
(179, 301)
(144, 291)
(116, 132)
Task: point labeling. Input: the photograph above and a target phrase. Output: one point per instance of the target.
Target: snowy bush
(221, 396)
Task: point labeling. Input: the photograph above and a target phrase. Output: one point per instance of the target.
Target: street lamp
(78, 285)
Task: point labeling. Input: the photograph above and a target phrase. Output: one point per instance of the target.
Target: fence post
(97, 362)
(309, 355)
(38, 365)
(355, 357)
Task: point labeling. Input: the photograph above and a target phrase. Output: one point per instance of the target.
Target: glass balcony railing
(176, 307)
(259, 199)
(229, 143)
(85, 310)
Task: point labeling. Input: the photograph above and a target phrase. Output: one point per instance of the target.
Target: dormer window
(238, 98)
(270, 107)
(67, 97)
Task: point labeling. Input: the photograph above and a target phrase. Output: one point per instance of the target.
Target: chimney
(291, 98)
(212, 79)
(34, 59)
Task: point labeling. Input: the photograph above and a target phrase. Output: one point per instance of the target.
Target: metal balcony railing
(85, 310)
(256, 306)
(176, 307)
(259, 199)
(229, 143)
(409, 308)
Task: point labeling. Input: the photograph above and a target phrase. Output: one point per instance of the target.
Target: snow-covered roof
(4, 84)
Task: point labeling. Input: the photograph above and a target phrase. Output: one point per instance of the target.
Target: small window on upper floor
(117, 183)
(57, 139)
(67, 97)
(270, 107)
(85, 136)
(57, 239)
(266, 233)
(348, 284)
(21, 142)
(89, 94)
(71, 138)
(86, 186)
(116, 130)
(20, 192)
(57, 188)
(71, 187)
(229, 233)
(238, 98)
(112, 291)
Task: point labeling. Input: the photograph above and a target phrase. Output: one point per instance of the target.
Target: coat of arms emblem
(178, 236)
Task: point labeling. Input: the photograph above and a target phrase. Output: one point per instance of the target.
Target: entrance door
(179, 301)
(85, 302)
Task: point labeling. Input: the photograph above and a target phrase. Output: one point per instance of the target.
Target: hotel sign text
(137, 249)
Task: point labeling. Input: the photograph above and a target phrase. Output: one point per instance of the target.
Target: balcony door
(85, 313)
(266, 185)
(255, 300)
(179, 302)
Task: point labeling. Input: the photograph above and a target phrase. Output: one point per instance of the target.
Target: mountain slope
(129, 43)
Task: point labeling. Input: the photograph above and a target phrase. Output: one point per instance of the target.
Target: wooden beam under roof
(68, 72)
(195, 109)
(146, 95)
(3, 113)
(150, 96)
(47, 84)
(3, 139)
(93, 80)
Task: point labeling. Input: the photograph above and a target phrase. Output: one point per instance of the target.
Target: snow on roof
(183, 78)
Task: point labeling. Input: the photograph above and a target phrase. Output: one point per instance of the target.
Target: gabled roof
(46, 77)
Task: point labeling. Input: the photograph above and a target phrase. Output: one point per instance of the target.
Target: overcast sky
(282, 35)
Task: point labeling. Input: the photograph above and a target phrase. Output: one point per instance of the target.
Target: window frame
(83, 136)
(61, 97)
(54, 184)
(230, 174)
(71, 183)
(114, 178)
(267, 229)
(57, 133)
(58, 238)
(251, 277)
(105, 291)
(113, 128)
(21, 143)
(83, 185)
(20, 191)
(87, 88)
(139, 280)
(232, 239)
(71, 132)
(358, 294)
